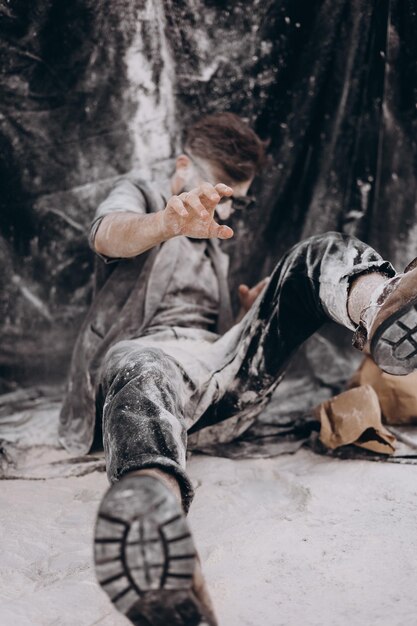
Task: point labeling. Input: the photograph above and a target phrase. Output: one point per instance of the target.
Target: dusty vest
(123, 307)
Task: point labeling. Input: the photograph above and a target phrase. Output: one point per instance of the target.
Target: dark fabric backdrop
(90, 90)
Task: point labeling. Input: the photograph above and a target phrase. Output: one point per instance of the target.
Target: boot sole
(394, 344)
(145, 555)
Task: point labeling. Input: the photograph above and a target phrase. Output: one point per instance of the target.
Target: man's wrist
(165, 230)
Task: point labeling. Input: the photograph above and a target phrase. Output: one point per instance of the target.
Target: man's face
(193, 171)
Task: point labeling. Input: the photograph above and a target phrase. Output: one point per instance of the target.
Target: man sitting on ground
(159, 355)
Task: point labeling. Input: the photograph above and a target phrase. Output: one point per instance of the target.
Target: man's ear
(180, 176)
(182, 161)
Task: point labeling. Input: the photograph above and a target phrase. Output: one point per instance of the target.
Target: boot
(145, 556)
(388, 326)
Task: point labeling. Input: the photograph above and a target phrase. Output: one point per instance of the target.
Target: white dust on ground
(297, 540)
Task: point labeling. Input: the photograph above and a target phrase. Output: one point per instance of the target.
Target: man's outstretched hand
(247, 295)
(192, 213)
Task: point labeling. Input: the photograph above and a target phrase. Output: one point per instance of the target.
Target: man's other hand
(191, 213)
(247, 295)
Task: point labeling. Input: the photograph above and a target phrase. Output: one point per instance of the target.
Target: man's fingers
(248, 295)
(177, 205)
(192, 201)
(223, 190)
(244, 294)
(208, 195)
(211, 196)
(225, 232)
(258, 288)
(200, 203)
(221, 232)
(261, 285)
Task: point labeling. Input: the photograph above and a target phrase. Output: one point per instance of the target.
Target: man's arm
(128, 234)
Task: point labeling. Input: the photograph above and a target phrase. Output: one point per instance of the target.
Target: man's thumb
(225, 232)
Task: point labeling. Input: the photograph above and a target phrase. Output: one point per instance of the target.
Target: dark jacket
(124, 304)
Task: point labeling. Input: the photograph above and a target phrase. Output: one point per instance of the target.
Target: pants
(179, 383)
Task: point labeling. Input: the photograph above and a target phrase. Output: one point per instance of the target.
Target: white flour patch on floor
(295, 540)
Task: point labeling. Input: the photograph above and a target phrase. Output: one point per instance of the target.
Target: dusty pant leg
(143, 413)
(309, 286)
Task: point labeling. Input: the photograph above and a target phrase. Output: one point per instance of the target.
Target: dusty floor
(295, 540)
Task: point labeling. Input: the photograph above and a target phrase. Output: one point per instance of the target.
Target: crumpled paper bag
(354, 417)
(397, 394)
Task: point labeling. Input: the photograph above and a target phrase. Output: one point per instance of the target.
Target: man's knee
(126, 363)
(323, 240)
(316, 246)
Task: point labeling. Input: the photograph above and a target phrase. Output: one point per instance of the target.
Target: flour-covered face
(193, 171)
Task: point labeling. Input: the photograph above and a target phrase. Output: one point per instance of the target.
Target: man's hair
(226, 140)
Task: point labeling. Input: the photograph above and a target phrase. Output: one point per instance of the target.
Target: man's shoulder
(132, 192)
(155, 192)
(157, 188)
